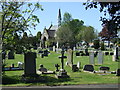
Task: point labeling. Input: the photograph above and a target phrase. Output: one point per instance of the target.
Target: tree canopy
(17, 17)
(111, 12)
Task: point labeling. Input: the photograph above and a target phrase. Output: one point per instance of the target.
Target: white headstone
(21, 65)
(100, 57)
(73, 48)
(54, 48)
(91, 58)
(78, 64)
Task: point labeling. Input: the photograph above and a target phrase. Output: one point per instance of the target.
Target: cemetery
(70, 52)
(52, 70)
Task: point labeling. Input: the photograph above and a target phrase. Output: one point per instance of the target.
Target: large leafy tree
(17, 17)
(87, 34)
(111, 12)
(67, 32)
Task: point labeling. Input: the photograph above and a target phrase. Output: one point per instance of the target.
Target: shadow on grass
(46, 80)
(10, 79)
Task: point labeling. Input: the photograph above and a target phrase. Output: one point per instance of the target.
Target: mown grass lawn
(13, 78)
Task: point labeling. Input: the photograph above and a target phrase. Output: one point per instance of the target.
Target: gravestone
(42, 69)
(21, 65)
(56, 65)
(91, 58)
(118, 72)
(86, 52)
(54, 48)
(77, 54)
(106, 53)
(62, 73)
(104, 68)
(74, 68)
(11, 55)
(3, 55)
(30, 64)
(70, 57)
(78, 65)
(89, 68)
(74, 49)
(100, 57)
(111, 53)
(115, 56)
(45, 52)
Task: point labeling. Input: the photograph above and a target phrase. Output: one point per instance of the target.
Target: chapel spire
(59, 18)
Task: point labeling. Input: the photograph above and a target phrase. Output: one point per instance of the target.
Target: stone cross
(62, 58)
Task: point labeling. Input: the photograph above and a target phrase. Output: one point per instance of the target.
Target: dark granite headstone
(88, 68)
(118, 72)
(46, 52)
(77, 54)
(105, 68)
(106, 53)
(40, 52)
(74, 68)
(86, 52)
(30, 64)
(111, 53)
(56, 65)
(11, 55)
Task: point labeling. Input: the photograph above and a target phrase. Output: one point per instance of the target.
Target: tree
(67, 32)
(87, 34)
(17, 20)
(38, 37)
(111, 10)
(66, 18)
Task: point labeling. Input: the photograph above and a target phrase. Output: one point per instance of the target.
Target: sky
(91, 17)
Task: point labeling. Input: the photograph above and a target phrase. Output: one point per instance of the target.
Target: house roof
(51, 33)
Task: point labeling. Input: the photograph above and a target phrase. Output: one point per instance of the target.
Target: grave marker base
(62, 74)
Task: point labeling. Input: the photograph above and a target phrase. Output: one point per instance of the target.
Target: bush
(96, 44)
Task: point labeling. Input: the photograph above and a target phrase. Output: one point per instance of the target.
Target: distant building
(48, 36)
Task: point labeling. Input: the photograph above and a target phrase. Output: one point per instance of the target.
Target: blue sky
(90, 17)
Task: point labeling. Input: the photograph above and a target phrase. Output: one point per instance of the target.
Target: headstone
(3, 54)
(91, 58)
(11, 55)
(70, 57)
(62, 73)
(56, 65)
(118, 72)
(86, 52)
(104, 68)
(100, 57)
(111, 53)
(45, 52)
(78, 65)
(106, 53)
(54, 48)
(74, 68)
(42, 69)
(20, 65)
(77, 54)
(30, 64)
(74, 49)
(115, 56)
(89, 68)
